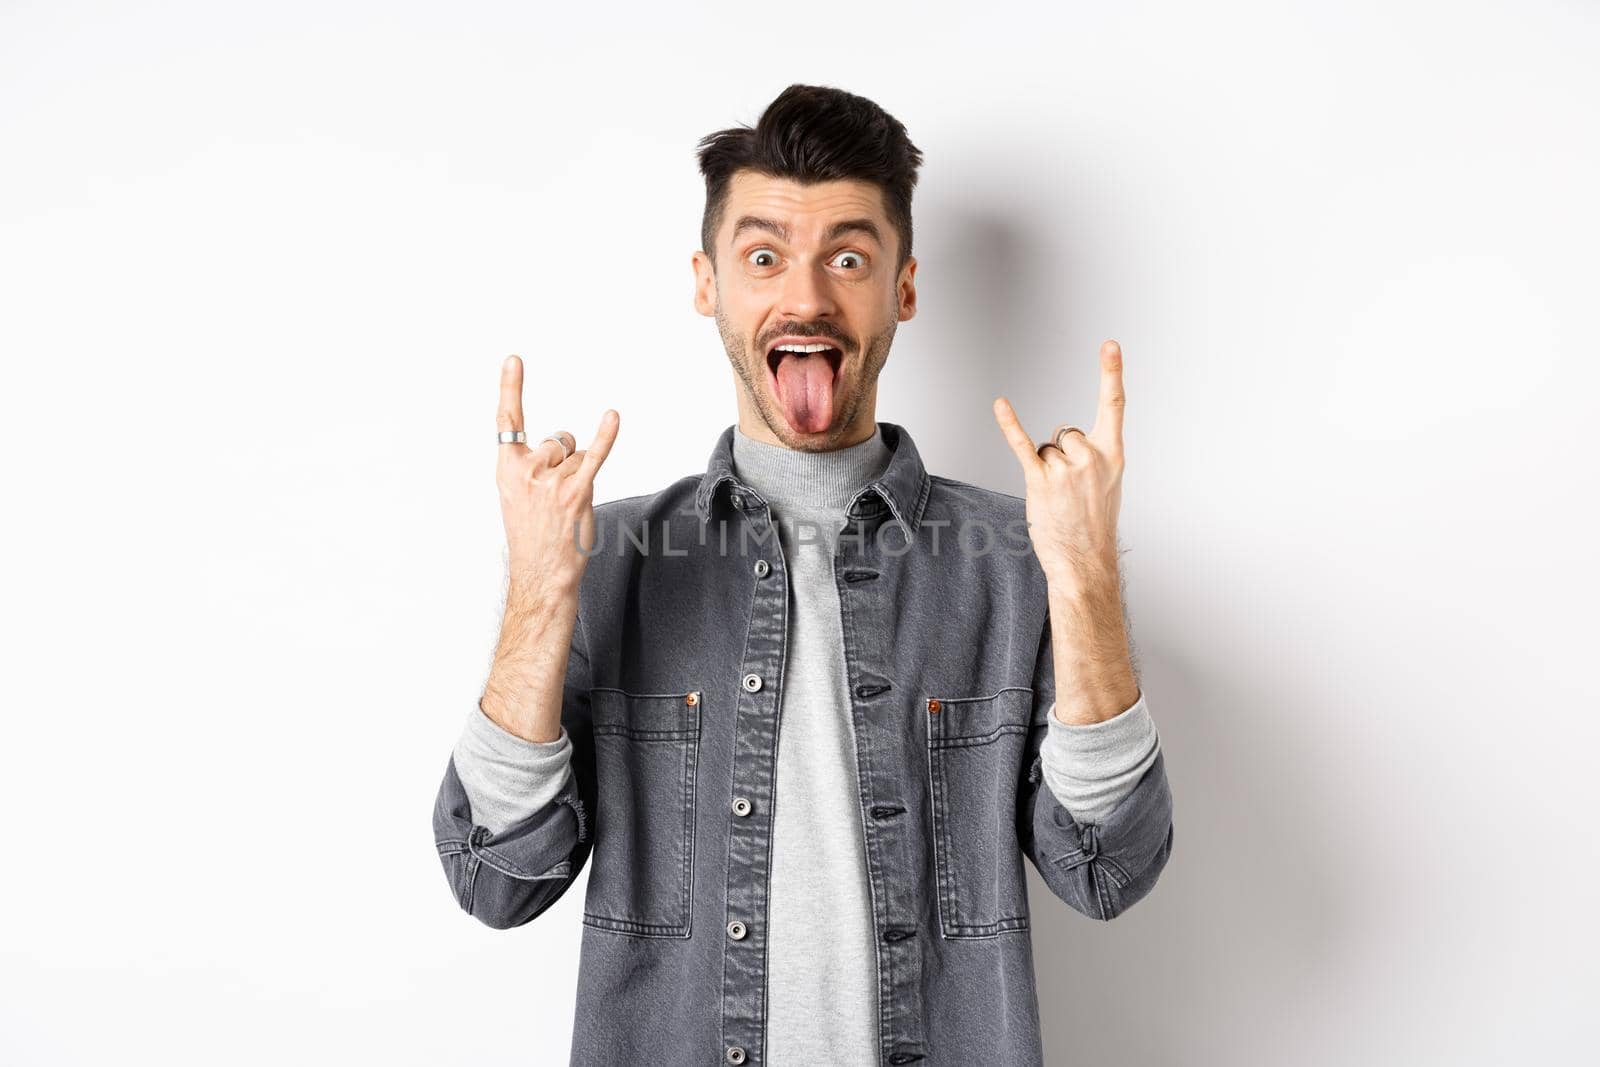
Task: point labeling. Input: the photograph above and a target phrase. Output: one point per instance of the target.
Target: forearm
(514, 755)
(523, 691)
(1094, 678)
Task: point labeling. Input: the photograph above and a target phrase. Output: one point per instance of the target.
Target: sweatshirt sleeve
(1091, 768)
(508, 778)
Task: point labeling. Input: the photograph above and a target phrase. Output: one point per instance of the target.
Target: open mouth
(809, 350)
(804, 376)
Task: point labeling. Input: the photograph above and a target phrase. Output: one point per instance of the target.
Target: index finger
(1017, 437)
(600, 448)
(1113, 399)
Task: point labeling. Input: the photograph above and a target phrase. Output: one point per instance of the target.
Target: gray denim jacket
(671, 699)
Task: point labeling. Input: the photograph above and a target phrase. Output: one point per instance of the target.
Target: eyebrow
(781, 231)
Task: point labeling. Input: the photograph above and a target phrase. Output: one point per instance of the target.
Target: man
(810, 708)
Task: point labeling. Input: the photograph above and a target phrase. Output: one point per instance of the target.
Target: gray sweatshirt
(822, 1001)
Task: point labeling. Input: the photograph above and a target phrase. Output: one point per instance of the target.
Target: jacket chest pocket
(975, 750)
(646, 749)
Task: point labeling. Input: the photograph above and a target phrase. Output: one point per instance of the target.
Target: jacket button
(735, 1054)
(736, 930)
(736, 500)
(751, 682)
(741, 807)
(692, 699)
(762, 568)
(933, 706)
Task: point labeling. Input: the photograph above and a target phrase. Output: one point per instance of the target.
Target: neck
(790, 478)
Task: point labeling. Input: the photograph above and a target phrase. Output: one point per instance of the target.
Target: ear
(705, 284)
(907, 289)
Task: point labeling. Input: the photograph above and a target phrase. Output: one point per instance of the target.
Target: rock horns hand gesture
(546, 494)
(1074, 489)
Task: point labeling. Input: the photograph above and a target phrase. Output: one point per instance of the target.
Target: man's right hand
(547, 495)
(547, 502)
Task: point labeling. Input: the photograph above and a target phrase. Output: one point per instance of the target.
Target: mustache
(815, 333)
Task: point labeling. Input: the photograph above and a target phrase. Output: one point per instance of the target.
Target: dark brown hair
(814, 133)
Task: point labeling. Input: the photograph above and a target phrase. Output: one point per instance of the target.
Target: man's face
(806, 265)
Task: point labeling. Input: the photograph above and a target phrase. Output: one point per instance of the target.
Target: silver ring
(1056, 440)
(558, 439)
(512, 437)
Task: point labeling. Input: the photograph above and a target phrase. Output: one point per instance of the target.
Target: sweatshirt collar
(902, 485)
(792, 480)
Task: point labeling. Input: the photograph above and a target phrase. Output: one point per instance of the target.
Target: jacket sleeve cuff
(508, 779)
(1091, 768)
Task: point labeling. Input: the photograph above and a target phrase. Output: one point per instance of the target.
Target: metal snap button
(741, 806)
(933, 706)
(692, 699)
(736, 930)
(737, 500)
(735, 1054)
(751, 682)
(762, 568)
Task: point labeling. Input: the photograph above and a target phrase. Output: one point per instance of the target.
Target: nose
(807, 293)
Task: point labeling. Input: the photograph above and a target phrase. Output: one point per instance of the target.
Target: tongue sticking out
(805, 389)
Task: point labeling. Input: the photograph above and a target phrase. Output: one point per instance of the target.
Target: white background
(259, 265)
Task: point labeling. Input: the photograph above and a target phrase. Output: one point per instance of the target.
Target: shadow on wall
(976, 286)
(1237, 937)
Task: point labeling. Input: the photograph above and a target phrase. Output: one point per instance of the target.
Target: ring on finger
(1056, 440)
(512, 437)
(561, 440)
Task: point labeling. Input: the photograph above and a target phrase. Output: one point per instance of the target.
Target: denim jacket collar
(903, 485)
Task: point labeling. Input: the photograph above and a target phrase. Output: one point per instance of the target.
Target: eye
(770, 257)
(860, 260)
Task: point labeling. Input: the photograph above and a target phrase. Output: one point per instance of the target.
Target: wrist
(532, 586)
(1077, 588)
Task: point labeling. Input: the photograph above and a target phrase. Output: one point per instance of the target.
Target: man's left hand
(1074, 489)
(1074, 492)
